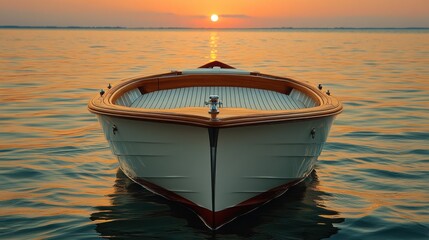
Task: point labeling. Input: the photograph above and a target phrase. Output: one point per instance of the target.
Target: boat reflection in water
(136, 212)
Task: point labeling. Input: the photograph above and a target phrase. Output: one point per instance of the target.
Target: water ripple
(59, 179)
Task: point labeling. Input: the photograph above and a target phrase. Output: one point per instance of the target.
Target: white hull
(218, 173)
(171, 136)
(254, 159)
(176, 158)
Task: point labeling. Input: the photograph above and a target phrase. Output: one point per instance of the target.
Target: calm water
(59, 180)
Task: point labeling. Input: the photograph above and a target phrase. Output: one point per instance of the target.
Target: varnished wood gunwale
(104, 105)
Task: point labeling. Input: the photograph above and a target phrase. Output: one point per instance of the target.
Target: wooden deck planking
(231, 97)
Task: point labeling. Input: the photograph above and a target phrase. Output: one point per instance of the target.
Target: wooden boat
(220, 140)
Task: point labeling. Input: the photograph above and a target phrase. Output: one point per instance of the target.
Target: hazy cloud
(241, 16)
(198, 16)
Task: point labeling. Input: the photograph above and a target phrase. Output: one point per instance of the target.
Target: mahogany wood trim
(105, 105)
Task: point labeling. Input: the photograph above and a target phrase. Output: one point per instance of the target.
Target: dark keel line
(213, 137)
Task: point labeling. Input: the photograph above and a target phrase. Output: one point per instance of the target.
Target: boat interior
(238, 94)
(233, 97)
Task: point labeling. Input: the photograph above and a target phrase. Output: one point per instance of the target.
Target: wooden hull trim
(105, 104)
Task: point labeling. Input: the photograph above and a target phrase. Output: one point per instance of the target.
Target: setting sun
(214, 17)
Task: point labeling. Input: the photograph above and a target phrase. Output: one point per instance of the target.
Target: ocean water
(59, 180)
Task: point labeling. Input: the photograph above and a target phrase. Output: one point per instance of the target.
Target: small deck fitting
(214, 104)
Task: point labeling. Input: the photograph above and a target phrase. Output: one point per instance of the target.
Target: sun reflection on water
(214, 38)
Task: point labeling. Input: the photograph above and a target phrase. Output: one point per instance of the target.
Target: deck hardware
(320, 86)
(214, 104)
(313, 133)
(329, 93)
(114, 129)
(101, 92)
(110, 86)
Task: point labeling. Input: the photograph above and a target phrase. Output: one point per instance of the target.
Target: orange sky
(233, 13)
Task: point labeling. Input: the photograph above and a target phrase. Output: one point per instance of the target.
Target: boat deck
(231, 97)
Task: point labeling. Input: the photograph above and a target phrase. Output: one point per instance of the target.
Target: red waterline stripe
(214, 220)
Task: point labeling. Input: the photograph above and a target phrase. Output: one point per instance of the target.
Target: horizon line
(201, 28)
